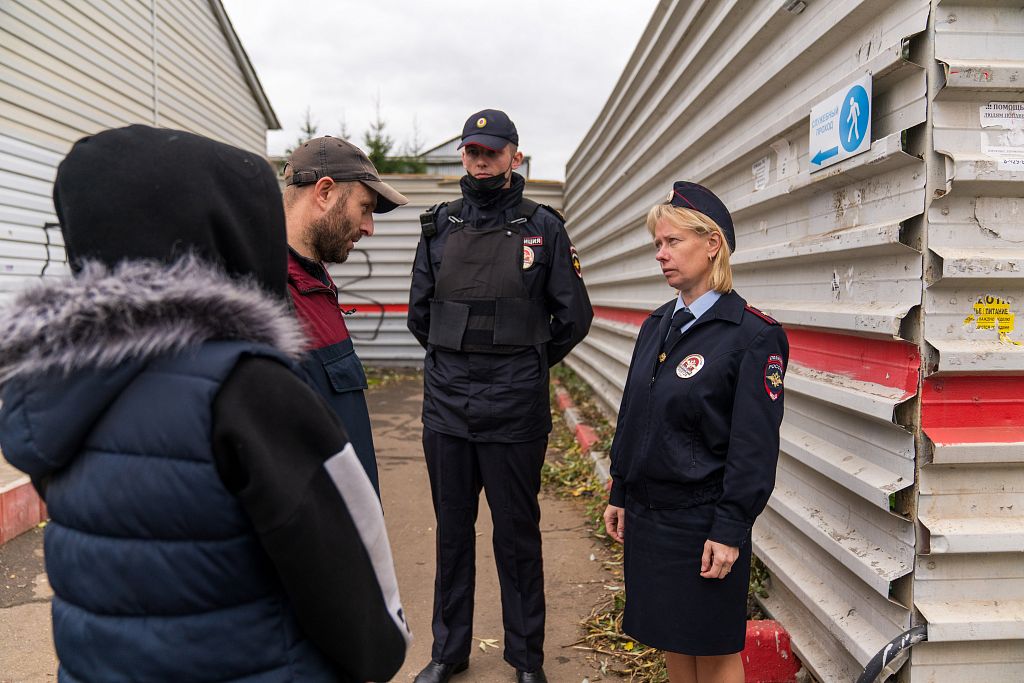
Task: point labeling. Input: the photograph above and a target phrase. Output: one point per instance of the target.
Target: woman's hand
(615, 522)
(717, 560)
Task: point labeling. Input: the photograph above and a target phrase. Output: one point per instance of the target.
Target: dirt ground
(573, 581)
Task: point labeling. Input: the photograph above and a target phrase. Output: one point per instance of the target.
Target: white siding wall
(71, 68)
(842, 258)
(970, 569)
(376, 278)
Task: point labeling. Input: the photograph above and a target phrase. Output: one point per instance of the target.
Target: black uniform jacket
(706, 419)
(493, 397)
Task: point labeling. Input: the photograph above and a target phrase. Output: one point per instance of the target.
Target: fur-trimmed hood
(141, 309)
(68, 348)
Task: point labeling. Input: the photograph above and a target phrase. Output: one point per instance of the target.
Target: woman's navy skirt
(668, 605)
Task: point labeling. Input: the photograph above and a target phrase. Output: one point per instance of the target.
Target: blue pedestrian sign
(841, 125)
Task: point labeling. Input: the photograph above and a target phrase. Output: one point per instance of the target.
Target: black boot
(439, 672)
(531, 676)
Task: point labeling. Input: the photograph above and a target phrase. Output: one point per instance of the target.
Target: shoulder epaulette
(558, 214)
(762, 315)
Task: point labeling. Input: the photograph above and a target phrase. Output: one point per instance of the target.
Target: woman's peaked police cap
(687, 195)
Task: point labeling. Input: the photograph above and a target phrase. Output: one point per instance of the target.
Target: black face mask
(486, 187)
(485, 191)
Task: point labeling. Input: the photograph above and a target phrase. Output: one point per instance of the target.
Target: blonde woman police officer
(696, 445)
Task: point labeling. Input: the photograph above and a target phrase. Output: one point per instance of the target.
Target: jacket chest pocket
(341, 366)
(346, 374)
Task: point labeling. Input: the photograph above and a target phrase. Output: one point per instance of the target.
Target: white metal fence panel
(970, 569)
(69, 69)
(201, 86)
(375, 279)
(872, 264)
(28, 250)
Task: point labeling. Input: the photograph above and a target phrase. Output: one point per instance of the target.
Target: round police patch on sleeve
(576, 261)
(773, 373)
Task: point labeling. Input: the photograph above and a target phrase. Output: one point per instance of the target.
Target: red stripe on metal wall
(621, 315)
(890, 363)
(973, 409)
(363, 307)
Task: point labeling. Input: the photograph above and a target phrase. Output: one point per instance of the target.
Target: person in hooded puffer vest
(209, 519)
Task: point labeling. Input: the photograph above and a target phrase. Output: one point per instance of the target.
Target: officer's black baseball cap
(688, 195)
(490, 128)
(340, 160)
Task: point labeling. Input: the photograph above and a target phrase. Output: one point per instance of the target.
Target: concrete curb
(767, 653)
(585, 435)
(20, 508)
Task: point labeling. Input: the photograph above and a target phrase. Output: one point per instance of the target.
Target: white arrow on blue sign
(841, 125)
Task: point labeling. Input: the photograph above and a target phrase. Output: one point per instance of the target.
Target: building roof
(248, 72)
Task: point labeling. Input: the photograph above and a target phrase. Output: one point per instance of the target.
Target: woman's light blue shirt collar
(699, 307)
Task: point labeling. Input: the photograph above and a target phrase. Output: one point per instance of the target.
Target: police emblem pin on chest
(528, 257)
(690, 366)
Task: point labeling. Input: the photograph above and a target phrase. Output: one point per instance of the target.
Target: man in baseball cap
(341, 161)
(331, 192)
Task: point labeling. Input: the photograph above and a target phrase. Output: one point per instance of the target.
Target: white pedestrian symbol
(853, 120)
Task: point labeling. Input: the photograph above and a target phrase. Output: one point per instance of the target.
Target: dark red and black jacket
(332, 363)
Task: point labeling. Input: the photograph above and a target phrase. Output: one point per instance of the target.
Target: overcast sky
(550, 64)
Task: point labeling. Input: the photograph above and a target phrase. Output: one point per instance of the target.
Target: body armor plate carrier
(481, 303)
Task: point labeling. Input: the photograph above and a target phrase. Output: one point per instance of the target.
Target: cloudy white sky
(551, 64)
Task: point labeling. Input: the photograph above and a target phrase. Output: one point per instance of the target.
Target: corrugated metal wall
(873, 265)
(375, 279)
(68, 69)
(970, 566)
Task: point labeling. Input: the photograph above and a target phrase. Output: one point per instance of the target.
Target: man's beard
(330, 234)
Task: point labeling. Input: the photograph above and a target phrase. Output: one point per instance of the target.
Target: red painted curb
(20, 510)
(586, 437)
(563, 399)
(767, 655)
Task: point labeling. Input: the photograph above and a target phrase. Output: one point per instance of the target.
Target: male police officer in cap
(497, 298)
(332, 190)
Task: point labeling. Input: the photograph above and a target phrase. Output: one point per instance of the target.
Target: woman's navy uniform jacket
(706, 418)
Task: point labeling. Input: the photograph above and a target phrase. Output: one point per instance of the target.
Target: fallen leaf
(486, 643)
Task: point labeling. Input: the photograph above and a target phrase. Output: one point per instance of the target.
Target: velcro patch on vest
(534, 241)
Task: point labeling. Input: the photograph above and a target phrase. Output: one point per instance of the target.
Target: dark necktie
(679, 318)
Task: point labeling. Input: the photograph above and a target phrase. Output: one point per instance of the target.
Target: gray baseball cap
(330, 157)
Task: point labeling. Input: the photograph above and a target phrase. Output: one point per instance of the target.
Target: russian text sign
(841, 125)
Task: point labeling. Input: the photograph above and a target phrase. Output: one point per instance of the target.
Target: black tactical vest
(481, 303)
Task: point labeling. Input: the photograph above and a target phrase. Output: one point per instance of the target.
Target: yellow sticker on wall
(993, 313)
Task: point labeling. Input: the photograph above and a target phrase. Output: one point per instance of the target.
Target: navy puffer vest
(157, 572)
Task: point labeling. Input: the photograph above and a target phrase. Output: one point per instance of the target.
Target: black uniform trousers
(510, 476)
